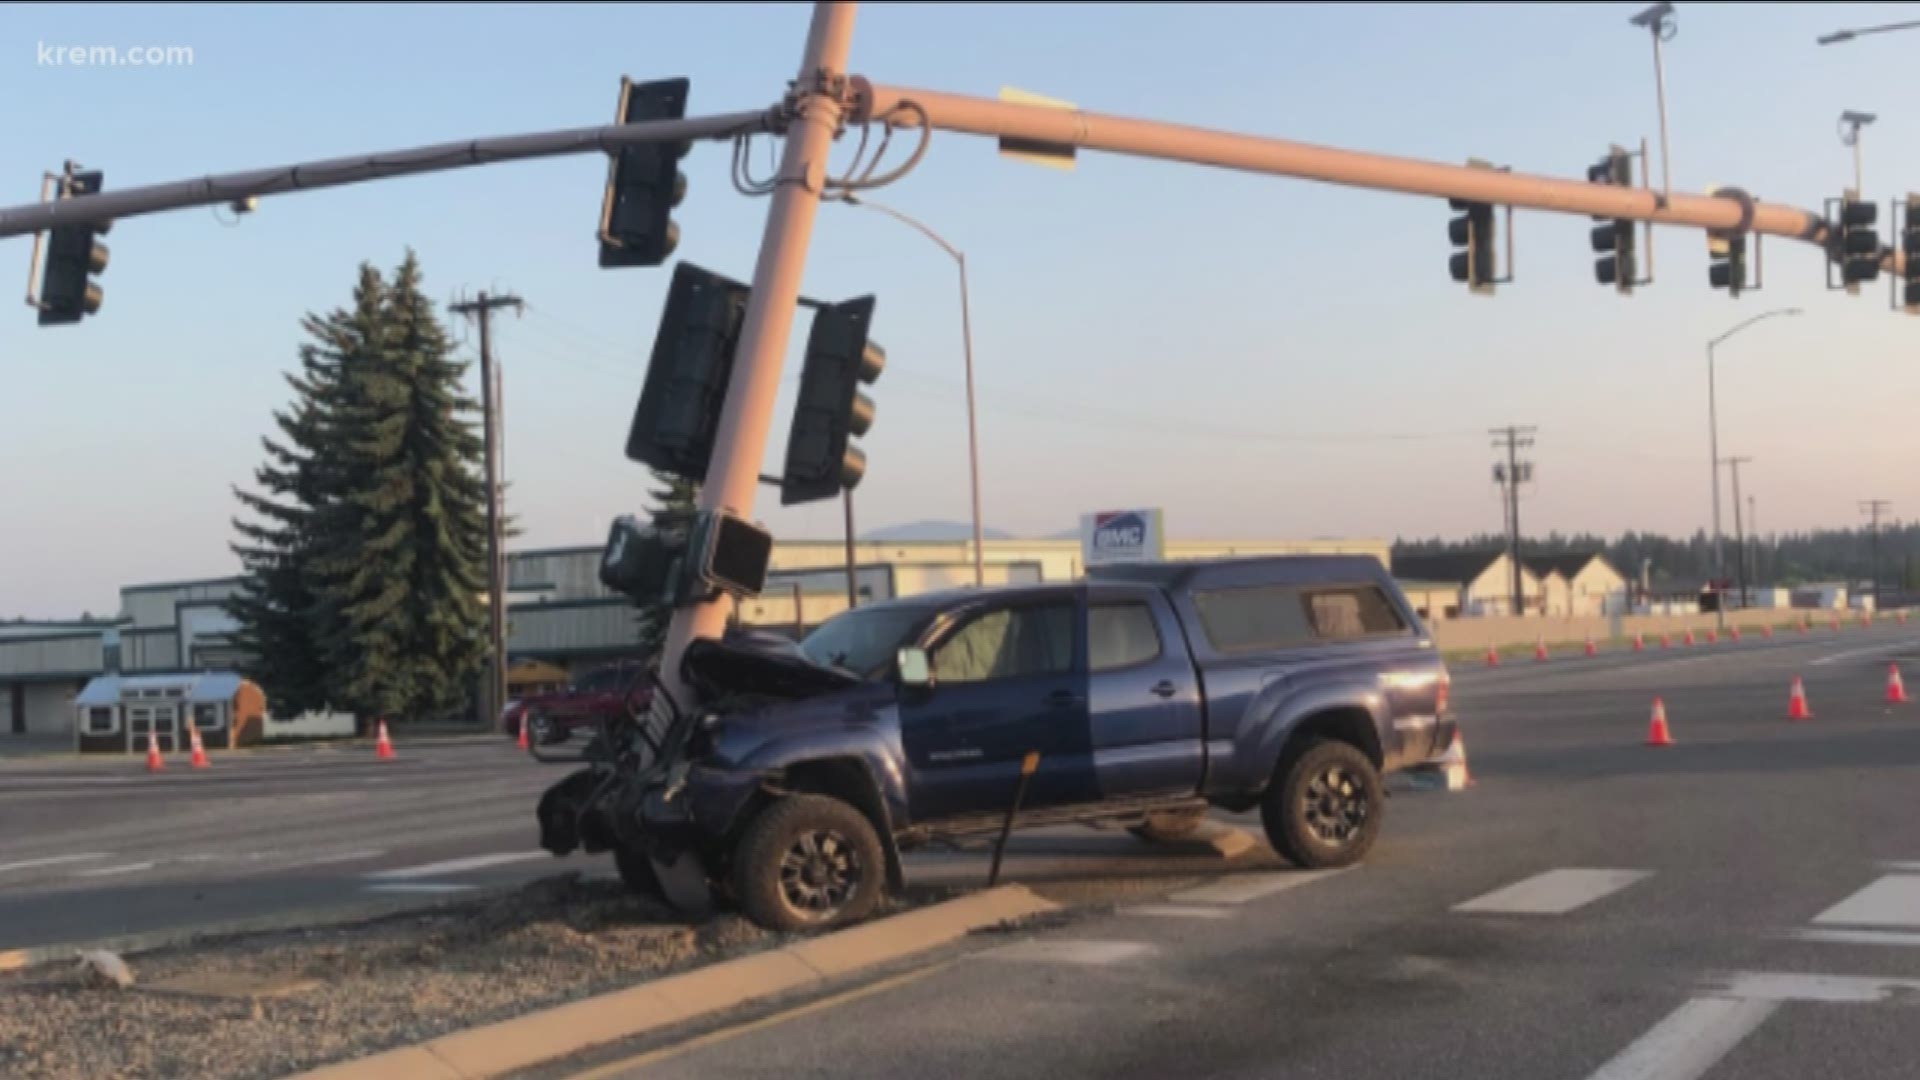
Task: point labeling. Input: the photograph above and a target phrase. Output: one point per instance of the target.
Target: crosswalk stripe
(1689, 1041)
(457, 866)
(1240, 888)
(1859, 937)
(1893, 900)
(1554, 892)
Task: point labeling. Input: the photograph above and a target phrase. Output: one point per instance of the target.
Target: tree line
(1791, 558)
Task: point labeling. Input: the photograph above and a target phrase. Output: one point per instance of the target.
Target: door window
(1009, 643)
(1120, 636)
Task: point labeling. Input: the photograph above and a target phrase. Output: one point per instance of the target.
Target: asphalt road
(1743, 904)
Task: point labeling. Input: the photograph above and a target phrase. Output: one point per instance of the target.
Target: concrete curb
(326, 918)
(510, 1045)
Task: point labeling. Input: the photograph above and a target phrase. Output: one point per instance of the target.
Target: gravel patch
(386, 983)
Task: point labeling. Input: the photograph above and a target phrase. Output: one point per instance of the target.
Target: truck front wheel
(1324, 808)
(808, 862)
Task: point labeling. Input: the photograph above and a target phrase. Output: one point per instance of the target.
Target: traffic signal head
(831, 411)
(644, 182)
(1614, 240)
(68, 292)
(1727, 262)
(1858, 241)
(686, 386)
(1910, 255)
(1472, 231)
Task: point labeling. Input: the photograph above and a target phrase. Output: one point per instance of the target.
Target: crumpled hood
(756, 662)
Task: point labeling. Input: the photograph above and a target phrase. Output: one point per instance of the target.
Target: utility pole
(481, 309)
(1739, 533)
(1753, 527)
(1511, 474)
(853, 594)
(1875, 507)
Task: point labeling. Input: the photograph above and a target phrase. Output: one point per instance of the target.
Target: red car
(600, 694)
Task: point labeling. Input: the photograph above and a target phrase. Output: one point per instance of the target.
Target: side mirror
(914, 669)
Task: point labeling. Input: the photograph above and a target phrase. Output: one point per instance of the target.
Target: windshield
(864, 642)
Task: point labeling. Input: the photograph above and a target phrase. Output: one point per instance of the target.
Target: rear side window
(1253, 619)
(1267, 617)
(1352, 611)
(1120, 636)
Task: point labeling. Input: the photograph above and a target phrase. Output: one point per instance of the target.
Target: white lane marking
(1859, 937)
(1896, 867)
(328, 860)
(1241, 888)
(1555, 892)
(1849, 654)
(1689, 1041)
(457, 866)
(52, 860)
(419, 888)
(1178, 911)
(1821, 989)
(1092, 953)
(107, 871)
(1893, 900)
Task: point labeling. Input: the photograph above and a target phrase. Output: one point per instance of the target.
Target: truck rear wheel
(1167, 826)
(808, 862)
(1324, 808)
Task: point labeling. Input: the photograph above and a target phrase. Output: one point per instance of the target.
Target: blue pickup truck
(1149, 693)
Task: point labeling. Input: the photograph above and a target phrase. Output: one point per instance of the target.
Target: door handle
(1165, 688)
(1063, 699)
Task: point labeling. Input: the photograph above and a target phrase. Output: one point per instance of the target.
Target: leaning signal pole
(481, 308)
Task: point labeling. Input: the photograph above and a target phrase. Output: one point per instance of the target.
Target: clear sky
(1260, 357)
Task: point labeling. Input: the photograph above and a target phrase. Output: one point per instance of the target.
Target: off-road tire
(1169, 826)
(776, 874)
(1310, 809)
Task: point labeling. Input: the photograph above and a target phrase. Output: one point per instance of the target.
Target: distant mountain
(933, 530)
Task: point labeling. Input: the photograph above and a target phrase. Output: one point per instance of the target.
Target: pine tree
(282, 619)
(675, 501)
(406, 558)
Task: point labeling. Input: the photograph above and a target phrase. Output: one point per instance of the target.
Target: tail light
(1442, 690)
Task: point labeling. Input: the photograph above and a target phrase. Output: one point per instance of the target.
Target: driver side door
(1009, 678)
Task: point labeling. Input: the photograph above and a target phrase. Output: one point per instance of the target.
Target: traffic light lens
(1457, 266)
(1604, 237)
(1855, 214)
(1460, 230)
(1862, 243)
(1606, 271)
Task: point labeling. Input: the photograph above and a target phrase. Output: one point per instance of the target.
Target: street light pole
(966, 338)
(1839, 36)
(1713, 431)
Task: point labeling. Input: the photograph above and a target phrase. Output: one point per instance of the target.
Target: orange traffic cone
(1797, 702)
(155, 763)
(522, 740)
(1657, 733)
(1896, 690)
(1539, 649)
(1733, 633)
(1493, 657)
(1713, 637)
(199, 759)
(1767, 631)
(1806, 624)
(383, 746)
(1689, 638)
(1666, 640)
(1453, 764)
(1836, 622)
(1639, 643)
(1902, 616)
(1591, 649)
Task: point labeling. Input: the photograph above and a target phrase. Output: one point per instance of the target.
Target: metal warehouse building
(557, 610)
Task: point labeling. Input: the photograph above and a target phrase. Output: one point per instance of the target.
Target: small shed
(121, 713)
